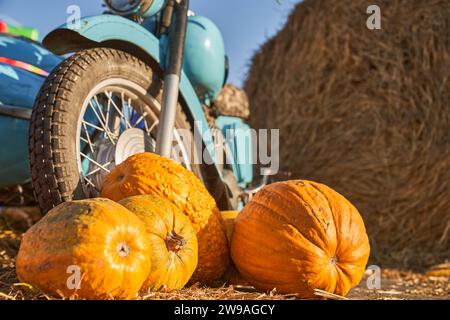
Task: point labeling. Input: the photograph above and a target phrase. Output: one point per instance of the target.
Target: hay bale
(368, 113)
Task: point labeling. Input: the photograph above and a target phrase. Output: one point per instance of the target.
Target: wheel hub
(130, 142)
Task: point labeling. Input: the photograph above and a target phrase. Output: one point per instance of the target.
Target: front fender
(96, 30)
(109, 29)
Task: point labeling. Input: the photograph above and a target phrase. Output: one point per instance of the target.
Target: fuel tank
(204, 58)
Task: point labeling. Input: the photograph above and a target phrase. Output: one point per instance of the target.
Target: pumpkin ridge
(295, 194)
(351, 222)
(344, 268)
(337, 278)
(361, 258)
(350, 280)
(323, 223)
(285, 218)
(312, 251)
(337, 224)
(320, 219)
(325, 274)
(268, 281)
(278, 280)
(284, 221)
(332, 213)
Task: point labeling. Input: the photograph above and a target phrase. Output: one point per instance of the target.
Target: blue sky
(245, 24)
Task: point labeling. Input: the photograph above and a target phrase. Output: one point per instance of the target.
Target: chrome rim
(118, 119)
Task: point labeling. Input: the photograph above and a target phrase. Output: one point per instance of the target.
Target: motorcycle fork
(172, 75)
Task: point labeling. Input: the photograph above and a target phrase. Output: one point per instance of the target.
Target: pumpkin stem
(174, 241)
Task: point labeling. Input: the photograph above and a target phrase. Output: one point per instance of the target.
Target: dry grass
(367, 113)
(395, 284)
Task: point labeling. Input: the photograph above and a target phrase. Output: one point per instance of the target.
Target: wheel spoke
(100, 110)
(97, 170)
(95, 162)
(84, 140)
(138, 121)
(105, 129)
(108, 110)
(131, 110)
(88, 138)
(128, 107)
(84, 122)
(109, 95)
(149, 131)
(125, 107)
(91, 183)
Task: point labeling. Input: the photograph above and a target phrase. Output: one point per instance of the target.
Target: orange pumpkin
(229, 218)
(174, 243)
(148, 173)
(297, 236)
(91, 249)
(440, 270)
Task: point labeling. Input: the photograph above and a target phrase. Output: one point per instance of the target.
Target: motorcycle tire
(54, 126)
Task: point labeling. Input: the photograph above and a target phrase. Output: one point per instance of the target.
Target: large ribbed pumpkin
(148, 173)
(174, 243)
(297, 236)
(91, 249)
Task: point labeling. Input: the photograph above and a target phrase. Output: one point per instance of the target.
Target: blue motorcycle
(144, 76)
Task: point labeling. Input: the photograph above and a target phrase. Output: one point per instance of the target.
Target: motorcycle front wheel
(97, 108)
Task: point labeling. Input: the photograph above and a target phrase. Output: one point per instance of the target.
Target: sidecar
(24, 65)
